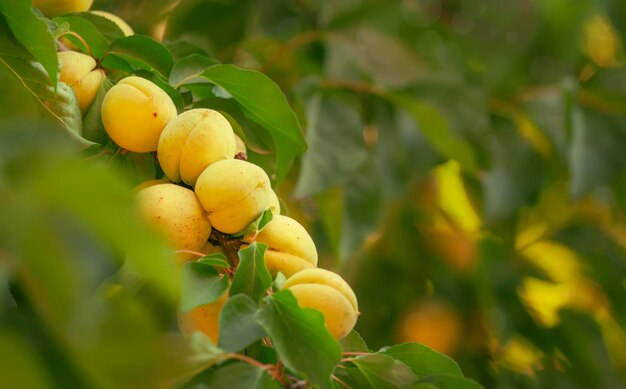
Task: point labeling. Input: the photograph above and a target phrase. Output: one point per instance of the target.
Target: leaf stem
(334, 377)
(252, 361)
(80, 38)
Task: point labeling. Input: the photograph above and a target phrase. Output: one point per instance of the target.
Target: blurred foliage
(465, 173)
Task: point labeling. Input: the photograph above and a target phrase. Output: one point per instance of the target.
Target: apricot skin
(52, 8)
(328, 293)
(204, 318)
(78, 71)
(289, 246)
(175, 211)
(234, 193)
(192, 141)
(134, 113)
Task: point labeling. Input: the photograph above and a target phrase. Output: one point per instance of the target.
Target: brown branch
(230, 245)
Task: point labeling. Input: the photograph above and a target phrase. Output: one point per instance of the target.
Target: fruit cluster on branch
(210, 198)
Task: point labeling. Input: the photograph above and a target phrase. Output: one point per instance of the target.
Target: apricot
(328, 293)
(234, 193)
(134, 113)
(52, 8)
(290, 248)
(79, 71)
(121, 23)
(204, 318)
(192, 141)
(175, 211)
(274, 204)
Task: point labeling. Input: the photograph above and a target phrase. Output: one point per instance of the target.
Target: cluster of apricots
(205, 187)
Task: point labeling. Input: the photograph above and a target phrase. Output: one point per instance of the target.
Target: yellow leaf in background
(601, 42)
(544, 299)
(529, 131)
(452, 197)
(521, 356)
(557, 261)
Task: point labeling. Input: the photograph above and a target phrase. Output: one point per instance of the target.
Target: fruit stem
(230, 245)
(80, 38)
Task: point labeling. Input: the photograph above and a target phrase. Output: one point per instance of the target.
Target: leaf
(32, 32)
(215, 260)
(381, 371)
(188, 69)
(516, 174)
(443, 381)
(336, 147)
(596, 150)
(423, 360)
(238, 326)
(300, 338)
(353, 342)
(251, 276)
(20, 363)
(98, 43)
(28, 93)
(437, 130)
(201, 284)
(266, 105)
(106, 27)
(140, 52)
(93, 129)
(240, 375)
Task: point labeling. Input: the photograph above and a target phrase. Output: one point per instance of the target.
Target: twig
(230, 245)
(357, 353)
(334, 377)
(252, 361)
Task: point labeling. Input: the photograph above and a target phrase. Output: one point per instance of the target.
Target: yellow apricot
(234, 193)
(434, 324)
(290, 248)
(78, 71)
(192, 141)
(121, 23)
(52, 8)
(328, 293)
(204, 318)
(149, 183)
(134, 113)
(175, 211)
(274, 204)
(241, 147)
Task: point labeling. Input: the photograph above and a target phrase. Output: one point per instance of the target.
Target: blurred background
(466, 173)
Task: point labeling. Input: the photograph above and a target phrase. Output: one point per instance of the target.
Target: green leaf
(300, 338)
(188, 69)
(381, 371)
(336, 147)
(98, 43)
(32, 32)
(423, 360)
(251, 276)
(596, 150)
(106, 27)
(265, 104)
(215, 260)
(201, 284)
(443, 381)
(353, 342)
(279, 281)
(140, 52)
(93, 129)
(20, 363)
(437, 130)
(238, 326)
(28, 93)
(240, 375)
